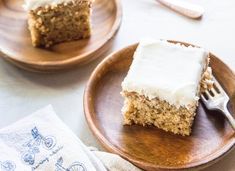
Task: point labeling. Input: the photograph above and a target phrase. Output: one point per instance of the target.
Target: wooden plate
(16, 47)
(148, 147)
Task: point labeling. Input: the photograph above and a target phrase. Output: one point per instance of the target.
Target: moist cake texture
(54, 21)
(163, 84)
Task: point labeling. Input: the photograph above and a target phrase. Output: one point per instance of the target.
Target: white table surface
(22, 92)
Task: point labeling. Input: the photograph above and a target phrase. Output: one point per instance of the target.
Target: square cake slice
(163, 84)
(54, 21)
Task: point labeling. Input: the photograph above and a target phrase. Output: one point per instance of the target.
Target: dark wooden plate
(16, 47)
(148, 147)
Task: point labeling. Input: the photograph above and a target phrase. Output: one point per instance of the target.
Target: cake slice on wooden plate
(55, 21)
(163, 85)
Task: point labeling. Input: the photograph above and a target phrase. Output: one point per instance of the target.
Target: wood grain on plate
(16, 47)
(148, 147)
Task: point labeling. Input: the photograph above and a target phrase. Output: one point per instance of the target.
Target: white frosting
(33, 4)
(168, 71)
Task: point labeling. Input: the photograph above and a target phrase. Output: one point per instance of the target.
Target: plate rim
(73, 60)
(211, 159)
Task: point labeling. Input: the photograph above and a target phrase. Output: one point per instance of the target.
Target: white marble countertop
(22, 92)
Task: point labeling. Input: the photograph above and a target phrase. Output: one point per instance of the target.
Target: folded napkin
(43, 142)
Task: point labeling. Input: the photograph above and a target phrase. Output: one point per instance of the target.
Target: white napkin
(43, 142)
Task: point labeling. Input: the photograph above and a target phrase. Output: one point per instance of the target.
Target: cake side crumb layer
(140, 110)
(57, 23)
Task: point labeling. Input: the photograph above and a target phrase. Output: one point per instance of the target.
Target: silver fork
(217, 99)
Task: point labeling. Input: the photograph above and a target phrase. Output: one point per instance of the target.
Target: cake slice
(163, 85)
(55, 21)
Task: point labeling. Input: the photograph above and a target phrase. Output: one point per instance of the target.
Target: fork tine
(215, 86)
(203, 98)
(213, 91)
(208, 94)
(218, 86)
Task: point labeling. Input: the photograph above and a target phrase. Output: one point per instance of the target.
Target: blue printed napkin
(43, 142)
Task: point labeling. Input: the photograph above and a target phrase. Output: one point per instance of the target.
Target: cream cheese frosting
(33, 4)
(170, 72)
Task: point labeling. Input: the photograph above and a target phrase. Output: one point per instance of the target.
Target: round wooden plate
(148, 147)
(16, 47)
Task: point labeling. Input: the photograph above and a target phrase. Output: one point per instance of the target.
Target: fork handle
(184, 8)
(229, 116)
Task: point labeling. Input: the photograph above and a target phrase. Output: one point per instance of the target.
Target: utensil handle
(229, 116)
(184, 8)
